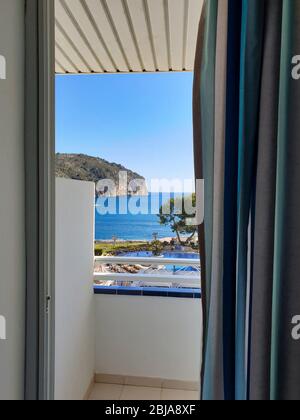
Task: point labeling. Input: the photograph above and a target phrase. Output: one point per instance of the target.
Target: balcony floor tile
(106, 392)
(178, 395)
(139, 393)
(111, 392)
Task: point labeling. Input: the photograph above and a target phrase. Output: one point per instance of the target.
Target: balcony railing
(152, 271)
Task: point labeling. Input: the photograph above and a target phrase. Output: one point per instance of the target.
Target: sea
(138, 224)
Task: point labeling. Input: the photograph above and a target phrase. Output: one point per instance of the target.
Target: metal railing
(153, 271)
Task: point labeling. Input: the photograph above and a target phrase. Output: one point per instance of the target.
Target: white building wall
(75, 307)
(152, 337)
(12, 200)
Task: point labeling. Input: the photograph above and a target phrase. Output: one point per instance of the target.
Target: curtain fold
(199, 172)
(246, 128)
(250, 75)
(217, 76)
(207, 110)
(230, 194)
(263, 253)
(285, 378)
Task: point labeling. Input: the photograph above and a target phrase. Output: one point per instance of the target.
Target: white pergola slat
(71, 29)
(59, 68)
(64, 62)
(121, 21)
(192, 32)
(157, 15)
(90, 33)
(110, 36)
(64, 44)
(177, 25)
(139, 18)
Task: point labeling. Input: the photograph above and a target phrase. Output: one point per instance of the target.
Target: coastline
(133, 241)
(168, 244)
(168, 239)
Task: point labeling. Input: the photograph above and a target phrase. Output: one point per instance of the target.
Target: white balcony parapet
(152, 278)
(159, 277)
(156, 261)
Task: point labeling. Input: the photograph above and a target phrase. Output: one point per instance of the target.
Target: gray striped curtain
(247, 149)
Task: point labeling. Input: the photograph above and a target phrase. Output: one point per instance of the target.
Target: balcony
(132, 336)
(122, 321)
(146, 272)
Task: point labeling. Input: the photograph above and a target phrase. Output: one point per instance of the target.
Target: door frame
(40, 198)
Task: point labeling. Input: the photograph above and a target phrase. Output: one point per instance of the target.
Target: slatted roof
(110, 36)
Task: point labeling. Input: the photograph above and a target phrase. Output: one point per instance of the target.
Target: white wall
(12, 205)
(75, 308)
(148, 337)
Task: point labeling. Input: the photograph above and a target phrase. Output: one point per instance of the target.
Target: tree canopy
(173, 213)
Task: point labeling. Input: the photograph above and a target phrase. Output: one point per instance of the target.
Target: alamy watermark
(296, 67)
(177, 198)
(2, 328)
(296, 327)
(2, 77)
(2, 67)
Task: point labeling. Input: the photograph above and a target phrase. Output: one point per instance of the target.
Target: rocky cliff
(93, 169)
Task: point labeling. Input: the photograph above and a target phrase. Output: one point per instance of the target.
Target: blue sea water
(131, 226)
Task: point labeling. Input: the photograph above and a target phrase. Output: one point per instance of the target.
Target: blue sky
(142, 121)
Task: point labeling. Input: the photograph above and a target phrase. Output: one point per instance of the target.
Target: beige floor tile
(107, 392)
(175, 394)
(138, 393)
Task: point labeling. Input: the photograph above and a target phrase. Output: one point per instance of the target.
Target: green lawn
(106, 249)
(110, 249)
